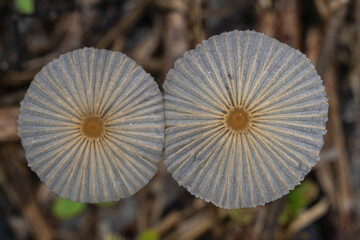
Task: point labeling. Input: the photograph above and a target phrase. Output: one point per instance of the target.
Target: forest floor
(154, 33)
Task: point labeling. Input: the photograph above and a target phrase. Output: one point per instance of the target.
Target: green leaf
(65, 209)
(298, 200)
(24, 6)
(242, 217)
(285, 217)
(149, 234)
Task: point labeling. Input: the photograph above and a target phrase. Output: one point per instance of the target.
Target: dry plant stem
(328, 155)
(73, 36)
(89, 227)
(357, 57)
(323, 169)
(266, 22)
(259, 224)
(309, 216)
(177, 5)
(8, 125)
(14, 78)
(19, 177)
(289, 33)
(326, 69)
(196, 30)
(144, 210)
(147, 46)
(36, 64)
(226, 10)
(326, 180)
(145, 49)
(12, 98)
(151, 209)
(313, 44)
(141, 214)
(330, 81)
(330, 39)
(322, 8)
(88, 13)
(123, 25)
(63, 24)
(273, 211)
(157, 208)
(174, 218)
(343, 184)
(168, 222)
(175, 39)
(355, 86)
(217, 230)
(193, 227)
(326, 8)
(118, 44)
(71, 39)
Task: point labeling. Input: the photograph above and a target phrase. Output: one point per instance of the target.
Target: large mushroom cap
(245, 117)
(92, 126)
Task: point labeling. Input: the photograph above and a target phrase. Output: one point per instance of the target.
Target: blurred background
(155, 33)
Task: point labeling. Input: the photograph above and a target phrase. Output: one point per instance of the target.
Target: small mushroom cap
(92, 126)
(245, 117)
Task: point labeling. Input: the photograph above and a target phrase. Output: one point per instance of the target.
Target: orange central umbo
(237, 119)
(93, 127)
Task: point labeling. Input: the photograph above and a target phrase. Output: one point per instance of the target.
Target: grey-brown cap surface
(92, 125)
(245, 117)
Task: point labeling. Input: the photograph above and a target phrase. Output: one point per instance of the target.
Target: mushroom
(92, 126)
(244, 119)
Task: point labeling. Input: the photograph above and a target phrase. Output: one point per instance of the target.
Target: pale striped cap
(245, 117)
(92, 126)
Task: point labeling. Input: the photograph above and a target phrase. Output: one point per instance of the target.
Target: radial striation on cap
(92, 126)
(245, 117)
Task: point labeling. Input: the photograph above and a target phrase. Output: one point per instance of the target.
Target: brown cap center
(237, 119)
(92, 127)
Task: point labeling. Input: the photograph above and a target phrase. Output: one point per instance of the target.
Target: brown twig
(8, 124)
(322, 169)
(19, 177)
(143, 53)
(12, 98)
(343, 184)
(171, 220)
(14, 78)
(355, 85)
(224, 11)
(326, 181)
(192, 227)
(289, 33)
(309, 216)
(266, 22)
(332, 31)
(123, 25)
(325, 68)
(194, 15)
(273, 211)
(175, 39)
(313, 43)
